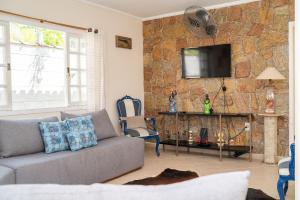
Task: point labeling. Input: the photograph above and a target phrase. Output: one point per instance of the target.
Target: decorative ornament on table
(172, 100)
(220, 140)
(204, 136)
(197, 139)
(207, 105)
(191, 140)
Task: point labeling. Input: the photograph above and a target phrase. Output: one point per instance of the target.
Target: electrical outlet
(247, 126)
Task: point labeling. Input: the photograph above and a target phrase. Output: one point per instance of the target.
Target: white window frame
(6, 65)
(7, 110)
(79, 70)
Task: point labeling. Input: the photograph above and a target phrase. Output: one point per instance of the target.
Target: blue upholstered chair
(286, 173)
(133, 124)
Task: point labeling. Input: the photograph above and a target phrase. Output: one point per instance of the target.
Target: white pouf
(227, 186)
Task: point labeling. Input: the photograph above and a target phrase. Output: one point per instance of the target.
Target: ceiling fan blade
(193, 22)
(211, 29)
(203, 15)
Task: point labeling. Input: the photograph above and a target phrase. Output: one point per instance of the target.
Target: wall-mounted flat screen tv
(208, 61)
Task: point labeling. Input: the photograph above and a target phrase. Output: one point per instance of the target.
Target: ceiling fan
(200, 22)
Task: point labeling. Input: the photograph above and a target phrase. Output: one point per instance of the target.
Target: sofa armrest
(7, 176)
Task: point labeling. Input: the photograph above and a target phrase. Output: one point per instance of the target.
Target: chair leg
(286, 187)
(157, 146)
(280, 188)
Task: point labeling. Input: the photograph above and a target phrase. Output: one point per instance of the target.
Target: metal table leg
(220, 131)
(164, 131)
(250, 138)
(177, 133)
(188, 132)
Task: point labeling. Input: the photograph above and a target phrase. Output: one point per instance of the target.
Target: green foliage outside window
(31, 35)
(23, 34)
(191, 52)
(52, 38)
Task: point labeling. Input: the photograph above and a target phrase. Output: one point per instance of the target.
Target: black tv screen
(208, 61)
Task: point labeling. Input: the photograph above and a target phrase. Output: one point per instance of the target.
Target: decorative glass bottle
(172, 100)
(207, 106)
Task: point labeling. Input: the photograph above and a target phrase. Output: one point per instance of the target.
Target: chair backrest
(129, 107)
(292, 162)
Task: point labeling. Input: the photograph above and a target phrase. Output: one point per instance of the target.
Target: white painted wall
(291, 83)
(123, 67)
(297, 97)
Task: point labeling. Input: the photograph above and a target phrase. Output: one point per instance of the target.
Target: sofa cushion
(135, 122)
(7, 175)
(283, 166)
(108, 159)
(54, 136)
(81, 132)
(103, 126)
(21, 137)
(140, 132)
(227, 186)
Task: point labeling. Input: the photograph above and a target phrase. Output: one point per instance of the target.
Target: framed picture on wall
(123, 42)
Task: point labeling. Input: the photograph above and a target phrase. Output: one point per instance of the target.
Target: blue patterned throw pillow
(82, 133)
(54, 135)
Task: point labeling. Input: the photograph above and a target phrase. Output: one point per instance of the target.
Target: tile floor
(262, 177)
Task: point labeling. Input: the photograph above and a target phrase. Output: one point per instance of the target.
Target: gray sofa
(24, 161)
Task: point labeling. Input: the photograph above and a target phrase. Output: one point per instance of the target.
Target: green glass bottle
(207, 106)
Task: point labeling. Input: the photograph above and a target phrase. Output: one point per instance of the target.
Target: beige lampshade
(270, 73)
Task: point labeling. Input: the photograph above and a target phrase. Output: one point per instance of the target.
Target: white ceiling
(147, 9)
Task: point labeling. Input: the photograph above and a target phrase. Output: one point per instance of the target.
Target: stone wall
(258, 34)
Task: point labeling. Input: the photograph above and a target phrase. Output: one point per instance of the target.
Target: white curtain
(95, 71)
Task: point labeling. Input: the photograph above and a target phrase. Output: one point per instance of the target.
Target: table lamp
(270, 73)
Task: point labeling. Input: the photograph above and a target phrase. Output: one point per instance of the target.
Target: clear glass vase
(173, 106)
(270, 100)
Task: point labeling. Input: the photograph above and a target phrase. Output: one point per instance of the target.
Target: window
(41, 68)
(77, 69)
(4, 66)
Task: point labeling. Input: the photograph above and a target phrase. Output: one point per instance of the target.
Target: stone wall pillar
(270, 138)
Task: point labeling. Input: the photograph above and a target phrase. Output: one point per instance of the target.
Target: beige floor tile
(262, 177)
